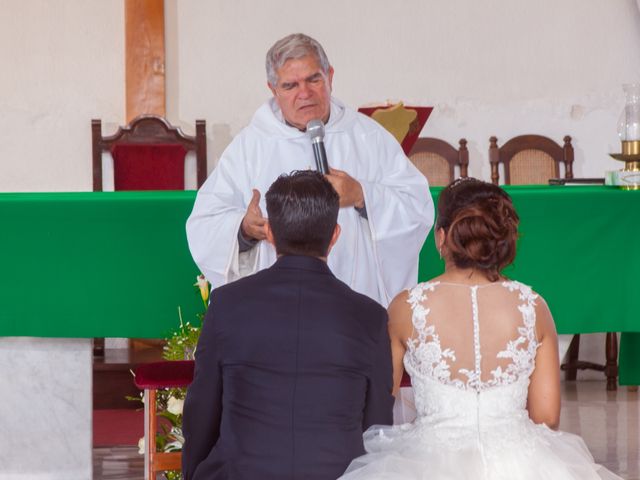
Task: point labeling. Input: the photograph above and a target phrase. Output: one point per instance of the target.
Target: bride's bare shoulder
(545, 325)
(400, 315)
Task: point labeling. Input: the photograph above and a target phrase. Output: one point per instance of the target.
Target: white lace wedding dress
(470, 358)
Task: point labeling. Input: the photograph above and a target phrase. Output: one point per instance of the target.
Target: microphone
(315, 130)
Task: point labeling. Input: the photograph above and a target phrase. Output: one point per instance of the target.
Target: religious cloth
(404, 122)
(376, 256)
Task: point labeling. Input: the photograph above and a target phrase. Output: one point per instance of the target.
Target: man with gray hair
(386, 210)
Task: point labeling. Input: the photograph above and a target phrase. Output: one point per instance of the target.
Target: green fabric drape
(96, 264)
(116, 264)
(577, 249)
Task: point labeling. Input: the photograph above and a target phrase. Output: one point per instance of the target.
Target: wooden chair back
(530, 159)
(438, 160)
(155, 132)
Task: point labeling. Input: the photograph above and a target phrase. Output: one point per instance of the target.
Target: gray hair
(294, 46)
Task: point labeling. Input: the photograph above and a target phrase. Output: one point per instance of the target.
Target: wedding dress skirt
(495, 447)
(470, 380)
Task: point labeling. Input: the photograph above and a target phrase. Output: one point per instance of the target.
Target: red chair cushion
(167, 374)
(148, 167)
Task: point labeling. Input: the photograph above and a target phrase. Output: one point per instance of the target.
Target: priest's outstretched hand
(253, 223)
(348, 188)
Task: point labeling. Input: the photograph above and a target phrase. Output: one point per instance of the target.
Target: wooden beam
(144, 56)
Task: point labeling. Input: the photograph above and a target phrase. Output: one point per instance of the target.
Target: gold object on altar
(396, 119)
(631, 157)
(631, 148)
(629, 131)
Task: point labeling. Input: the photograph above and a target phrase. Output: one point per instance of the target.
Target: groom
(292, 365)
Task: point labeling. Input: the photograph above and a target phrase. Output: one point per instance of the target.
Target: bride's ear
(440, 237)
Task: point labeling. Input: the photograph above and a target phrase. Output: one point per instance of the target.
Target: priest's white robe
(377, 256)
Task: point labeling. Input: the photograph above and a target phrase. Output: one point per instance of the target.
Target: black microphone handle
(320, 155)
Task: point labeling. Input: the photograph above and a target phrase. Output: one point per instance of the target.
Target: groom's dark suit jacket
(292, 365)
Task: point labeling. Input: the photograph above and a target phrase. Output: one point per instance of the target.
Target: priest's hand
(253, 223)
(348, 188)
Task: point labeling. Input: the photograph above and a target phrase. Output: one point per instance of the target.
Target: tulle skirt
(524, 451)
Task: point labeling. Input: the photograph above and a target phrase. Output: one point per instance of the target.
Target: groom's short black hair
(303, 212)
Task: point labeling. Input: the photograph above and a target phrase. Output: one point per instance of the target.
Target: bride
(482, 354)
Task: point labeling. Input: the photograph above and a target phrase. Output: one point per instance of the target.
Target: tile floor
(117, 463)
(609, 422)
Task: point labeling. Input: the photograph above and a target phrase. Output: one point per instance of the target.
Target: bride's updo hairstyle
(480, 225)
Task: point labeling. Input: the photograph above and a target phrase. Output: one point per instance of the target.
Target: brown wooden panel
(167, 461)
(144, 43)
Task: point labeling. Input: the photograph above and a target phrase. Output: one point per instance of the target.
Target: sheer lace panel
(472, 336)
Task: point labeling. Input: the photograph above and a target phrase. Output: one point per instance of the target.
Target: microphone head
(315, 130)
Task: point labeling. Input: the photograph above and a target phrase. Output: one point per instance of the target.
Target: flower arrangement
(180, 345)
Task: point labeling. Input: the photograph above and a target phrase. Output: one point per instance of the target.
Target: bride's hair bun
(480, 224)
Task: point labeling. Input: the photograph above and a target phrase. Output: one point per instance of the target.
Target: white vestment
(377, 256)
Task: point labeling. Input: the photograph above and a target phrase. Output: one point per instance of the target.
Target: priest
(386, 209)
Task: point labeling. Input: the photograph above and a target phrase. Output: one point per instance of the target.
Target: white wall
(497, 67)
(62, 63)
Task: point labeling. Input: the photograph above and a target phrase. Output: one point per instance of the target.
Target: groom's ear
(334, 237)
(269, 234)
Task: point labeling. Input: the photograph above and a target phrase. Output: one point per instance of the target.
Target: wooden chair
(530, 159)
(610, 367)
(149, 154)
(152, 377)
(438, 160)
(534, 159)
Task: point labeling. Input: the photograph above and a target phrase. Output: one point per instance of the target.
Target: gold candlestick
(631, 157)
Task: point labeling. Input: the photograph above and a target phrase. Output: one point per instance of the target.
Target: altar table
(116, 264)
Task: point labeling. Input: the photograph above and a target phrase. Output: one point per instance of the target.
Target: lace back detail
(441, 347)
(476, 339)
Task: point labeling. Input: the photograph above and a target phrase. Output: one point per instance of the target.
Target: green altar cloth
(576, 250)
(96, 264)
(116, 264)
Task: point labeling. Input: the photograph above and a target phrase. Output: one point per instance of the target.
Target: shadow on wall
(219, 138)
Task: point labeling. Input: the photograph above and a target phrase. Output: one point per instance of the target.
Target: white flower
(177, 434)
(141, 446)
(174, 406)
(174, 446)
(203, 285)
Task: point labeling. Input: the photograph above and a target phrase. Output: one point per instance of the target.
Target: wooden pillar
(144, 57)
